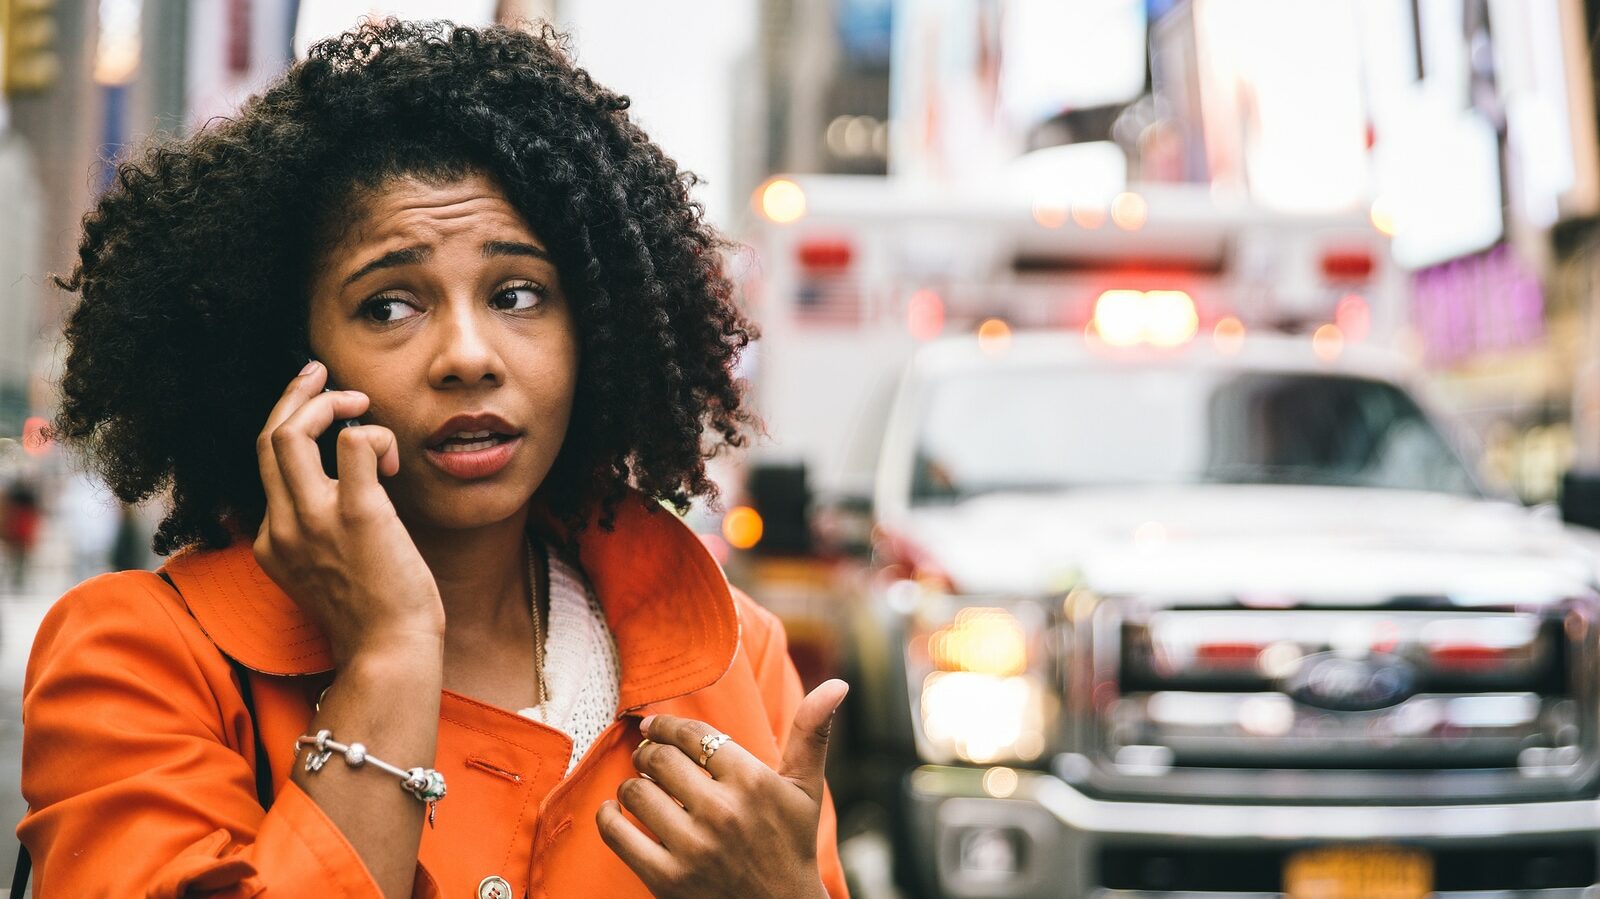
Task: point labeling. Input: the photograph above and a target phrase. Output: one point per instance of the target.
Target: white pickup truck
(1227, 620)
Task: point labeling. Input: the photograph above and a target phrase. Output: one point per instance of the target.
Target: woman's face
(439, 302)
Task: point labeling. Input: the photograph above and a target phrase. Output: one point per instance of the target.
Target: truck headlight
(984, 718)
(979, 679)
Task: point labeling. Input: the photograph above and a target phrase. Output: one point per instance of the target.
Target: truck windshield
(1060, 428)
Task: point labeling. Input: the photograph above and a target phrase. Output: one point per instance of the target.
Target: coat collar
(667, 602)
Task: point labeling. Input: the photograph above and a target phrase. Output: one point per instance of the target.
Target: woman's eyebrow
(391, 259)
(513, 248)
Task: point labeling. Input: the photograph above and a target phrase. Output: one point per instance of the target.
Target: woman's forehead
(424, 208)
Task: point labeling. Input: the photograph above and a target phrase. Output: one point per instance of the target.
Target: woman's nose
(466, 354)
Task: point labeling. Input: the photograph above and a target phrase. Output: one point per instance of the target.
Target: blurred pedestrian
(19, 529)
(131, 547)
(529, 335)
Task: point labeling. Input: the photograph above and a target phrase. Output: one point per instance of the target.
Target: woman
(507, 284)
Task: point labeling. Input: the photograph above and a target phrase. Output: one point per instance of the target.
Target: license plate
(1359, 872)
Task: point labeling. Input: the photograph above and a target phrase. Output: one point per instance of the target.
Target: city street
(20, 614)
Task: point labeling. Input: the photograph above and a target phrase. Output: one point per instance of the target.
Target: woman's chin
(466, 508)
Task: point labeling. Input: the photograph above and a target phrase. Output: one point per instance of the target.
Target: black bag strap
(242, 674)
(19, 876)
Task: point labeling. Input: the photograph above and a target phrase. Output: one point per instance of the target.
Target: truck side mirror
(1580, 498)
(779, 492)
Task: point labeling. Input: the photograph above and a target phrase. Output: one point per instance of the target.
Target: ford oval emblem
(1338, 684)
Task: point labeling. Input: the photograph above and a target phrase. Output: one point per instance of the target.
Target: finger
(648, 859)
(657, 811)
(730, 759)
(303, 387)
(299, 457)
(366, 451)
(676, 773)
(806, 754)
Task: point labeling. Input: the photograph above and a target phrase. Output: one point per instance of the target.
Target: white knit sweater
(582, 675)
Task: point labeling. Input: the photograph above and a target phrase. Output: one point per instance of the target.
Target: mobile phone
(328, 441)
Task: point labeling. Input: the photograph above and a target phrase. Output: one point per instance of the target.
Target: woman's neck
(482, 575)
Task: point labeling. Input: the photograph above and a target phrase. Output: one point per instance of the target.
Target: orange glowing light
(1229, 335)
(1354, 317)
(36, 436)
(1088, 215)
(1162, 318)
(994, 336)
(1328, 342)
(1130, 211)
(984, 640)
(742, 527)
(1170, 318)
(782, 201)
(1119, 317)
(1048, 214)
(1383, 216)
(925, 314)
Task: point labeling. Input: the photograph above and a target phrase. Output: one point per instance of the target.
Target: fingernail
(310, 367)
(644, 725)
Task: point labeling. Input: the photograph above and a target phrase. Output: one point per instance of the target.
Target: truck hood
(1310, 545)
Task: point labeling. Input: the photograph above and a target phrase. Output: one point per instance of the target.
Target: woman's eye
(387, 309)
(519, 296)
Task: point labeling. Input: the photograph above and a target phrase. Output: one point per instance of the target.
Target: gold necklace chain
(538, 632)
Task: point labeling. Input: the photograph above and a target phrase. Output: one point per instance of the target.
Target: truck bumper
(991, 833)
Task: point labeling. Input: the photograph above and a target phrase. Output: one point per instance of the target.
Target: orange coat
(138, 760)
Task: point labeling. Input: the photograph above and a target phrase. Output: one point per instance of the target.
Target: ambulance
(1154, 568)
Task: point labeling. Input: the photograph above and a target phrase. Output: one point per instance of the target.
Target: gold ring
(709, 744)
(642, 744)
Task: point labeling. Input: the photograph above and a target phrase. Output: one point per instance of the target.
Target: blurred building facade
(1466, 128)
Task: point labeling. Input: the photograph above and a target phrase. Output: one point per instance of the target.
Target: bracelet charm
(426, 784)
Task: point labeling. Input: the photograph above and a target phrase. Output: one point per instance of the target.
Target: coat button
(494, 887)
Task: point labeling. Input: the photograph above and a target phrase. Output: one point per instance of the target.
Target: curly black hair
(194, 270)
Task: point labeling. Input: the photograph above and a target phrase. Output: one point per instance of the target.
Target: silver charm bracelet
(424, 783)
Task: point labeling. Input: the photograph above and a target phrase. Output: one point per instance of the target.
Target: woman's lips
(474, 464)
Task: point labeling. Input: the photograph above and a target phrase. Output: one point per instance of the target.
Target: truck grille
(1228, 871)
(1357, 696)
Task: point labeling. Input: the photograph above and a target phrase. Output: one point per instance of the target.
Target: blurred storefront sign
(28, 58)
(1439, 177)
(1483, 303)
(1280, 102)
(20, 256)
(116, 53)
(865, 29)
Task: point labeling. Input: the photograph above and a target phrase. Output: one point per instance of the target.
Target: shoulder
(136, 599)
(759, 629)
(125, 618)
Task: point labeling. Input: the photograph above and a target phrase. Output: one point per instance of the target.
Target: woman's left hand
(744, 831)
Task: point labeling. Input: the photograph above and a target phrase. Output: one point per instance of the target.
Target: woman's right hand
(337, 546)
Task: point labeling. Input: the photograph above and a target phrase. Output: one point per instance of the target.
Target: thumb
(806, 754)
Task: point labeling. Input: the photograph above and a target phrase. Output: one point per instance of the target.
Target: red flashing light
(1347, 265)
(1227, 655)
(1467, 656)
(825, 254)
